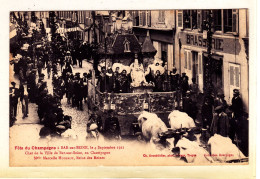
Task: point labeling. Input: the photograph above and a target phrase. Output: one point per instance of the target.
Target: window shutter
(189, 58)
(149, 18)
(144, 18)
(237, 77)
(180, 19)
(231, 72)
(185, 57)
(140, 18)
(235, 20)
(200, 63)
(199, 20)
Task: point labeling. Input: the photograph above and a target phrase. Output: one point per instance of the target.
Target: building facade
(161, 27)
(229, 49)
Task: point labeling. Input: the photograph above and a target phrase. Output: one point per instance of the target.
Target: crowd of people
(31, 57)
(119, 81)
(214, 113)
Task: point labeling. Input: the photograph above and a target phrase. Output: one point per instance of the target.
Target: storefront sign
(197, 40)
(224, 43)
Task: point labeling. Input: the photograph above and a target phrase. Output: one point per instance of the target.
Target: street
(79, 118)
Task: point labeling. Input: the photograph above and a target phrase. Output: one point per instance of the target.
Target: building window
(144, 19)
(230, 20)
(149, 18)
(190, 19)
(217, 20)
(187, 19)
(180, 19)
(164, 52)
(234, 72)
(161, 18)
(136, 18)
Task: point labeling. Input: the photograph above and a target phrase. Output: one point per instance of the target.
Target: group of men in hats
(219, 118)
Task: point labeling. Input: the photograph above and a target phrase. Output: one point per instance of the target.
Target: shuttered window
(234, 72)
(161, 18)
(185, 59)
(180, 19)
(199, 20)
(200, 63)
(140, 18)
(189, 59)
(231, 72)
(149, 18)
(144, 18)
(235, 20)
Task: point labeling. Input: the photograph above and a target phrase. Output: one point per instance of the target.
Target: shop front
(228, 57)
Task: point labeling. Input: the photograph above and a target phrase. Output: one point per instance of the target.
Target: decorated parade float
(126, 54)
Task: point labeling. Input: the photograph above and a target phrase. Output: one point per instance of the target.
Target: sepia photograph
(129, 87)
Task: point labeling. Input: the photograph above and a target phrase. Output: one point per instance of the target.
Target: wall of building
(230, 46)
(169, 20)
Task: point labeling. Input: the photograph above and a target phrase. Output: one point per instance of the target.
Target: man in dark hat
(220, 101)
(237, 109)
(206, 113)
(174, 79)
(85, 86)
(14, 97)
(189, 107)
(158, 80)
(220, 122)
(112, 127)
(184, 84)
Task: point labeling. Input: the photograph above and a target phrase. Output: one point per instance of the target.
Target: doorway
(195, 66)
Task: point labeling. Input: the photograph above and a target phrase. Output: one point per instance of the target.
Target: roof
(118, 45)
(148, 46)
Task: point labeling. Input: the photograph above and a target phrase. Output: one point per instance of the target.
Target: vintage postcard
(131, 88)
